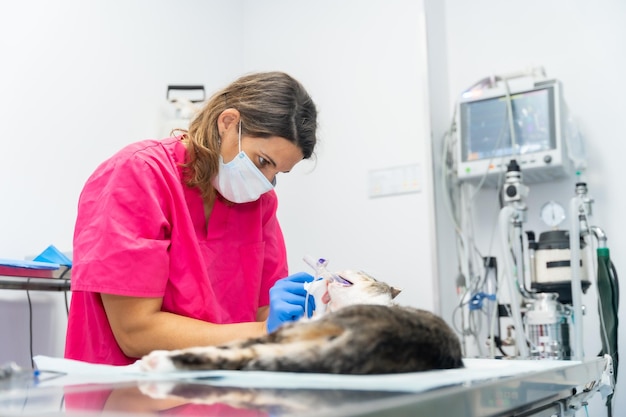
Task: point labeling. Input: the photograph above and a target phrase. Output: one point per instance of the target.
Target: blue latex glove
(287, 299)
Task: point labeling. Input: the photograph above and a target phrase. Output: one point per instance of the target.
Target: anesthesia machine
(507, 132)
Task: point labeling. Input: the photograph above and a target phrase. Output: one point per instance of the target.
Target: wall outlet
(395, 180)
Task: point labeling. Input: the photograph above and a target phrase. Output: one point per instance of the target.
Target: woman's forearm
(139, 327)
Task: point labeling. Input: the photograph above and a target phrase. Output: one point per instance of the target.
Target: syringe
(319, 267)
(316, 287)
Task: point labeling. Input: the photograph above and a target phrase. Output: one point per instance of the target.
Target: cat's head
(356, 287)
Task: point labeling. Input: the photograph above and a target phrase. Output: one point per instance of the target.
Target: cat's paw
(157, 361)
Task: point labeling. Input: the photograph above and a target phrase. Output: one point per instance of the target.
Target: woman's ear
(228, 119)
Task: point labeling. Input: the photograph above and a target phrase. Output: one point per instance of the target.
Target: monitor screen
(485, 129)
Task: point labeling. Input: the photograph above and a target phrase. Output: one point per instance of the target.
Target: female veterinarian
(177, 243)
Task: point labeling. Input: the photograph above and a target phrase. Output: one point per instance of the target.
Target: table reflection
(551, 387)
(199, 398)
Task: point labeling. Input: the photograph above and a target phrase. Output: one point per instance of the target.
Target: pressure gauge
(552, 213)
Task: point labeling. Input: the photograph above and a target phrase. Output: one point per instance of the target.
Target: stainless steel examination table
(34, 284)
(486, 387)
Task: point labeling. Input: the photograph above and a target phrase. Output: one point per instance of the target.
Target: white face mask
(240, 181)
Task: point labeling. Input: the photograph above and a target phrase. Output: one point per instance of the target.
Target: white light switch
(396, 180)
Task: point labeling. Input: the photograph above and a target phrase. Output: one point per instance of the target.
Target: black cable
(62, 276)
(67, 307)
(506, 355)
(498, 342)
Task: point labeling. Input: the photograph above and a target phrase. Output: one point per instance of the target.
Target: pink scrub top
(141, 232)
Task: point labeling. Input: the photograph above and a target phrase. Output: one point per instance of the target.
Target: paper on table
(77, 372)
(29, 269)
(52, 254)
(17, 263)
(50, 263)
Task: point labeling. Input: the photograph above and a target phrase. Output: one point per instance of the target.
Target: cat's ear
(394, 292)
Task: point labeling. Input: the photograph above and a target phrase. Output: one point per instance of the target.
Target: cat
(362, 331)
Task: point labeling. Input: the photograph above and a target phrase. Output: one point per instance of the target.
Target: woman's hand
(287, 300)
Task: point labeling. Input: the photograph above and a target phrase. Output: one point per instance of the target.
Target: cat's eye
(341, 280)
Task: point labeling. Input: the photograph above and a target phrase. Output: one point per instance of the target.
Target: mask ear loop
(239, 135)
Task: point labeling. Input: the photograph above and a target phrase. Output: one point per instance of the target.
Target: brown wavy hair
(269, 104)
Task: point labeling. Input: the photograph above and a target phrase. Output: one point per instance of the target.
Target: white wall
(79, 80)
(582, 44)
(364, 63)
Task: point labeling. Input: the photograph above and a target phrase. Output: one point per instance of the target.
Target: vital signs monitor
(486, 145)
